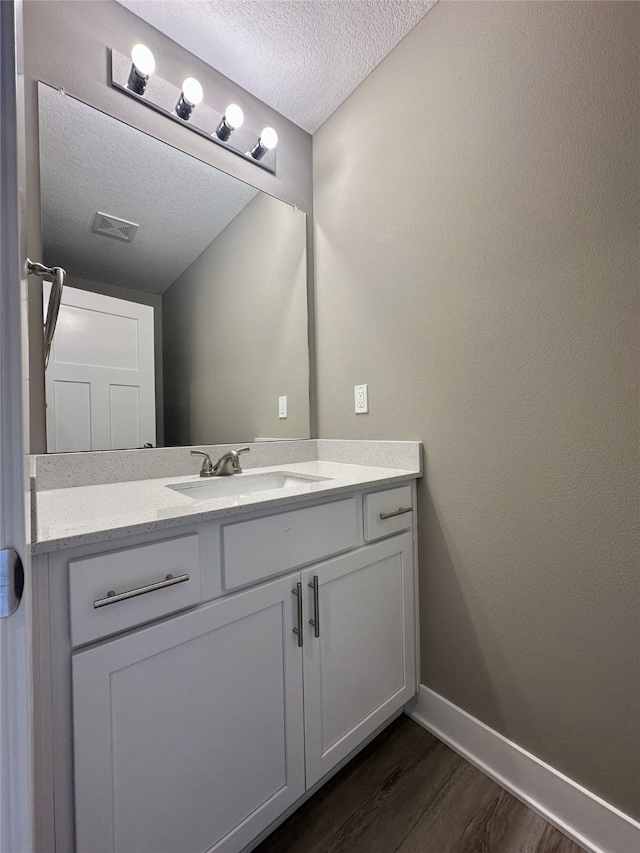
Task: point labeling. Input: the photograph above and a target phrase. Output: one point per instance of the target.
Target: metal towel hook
(53, 309)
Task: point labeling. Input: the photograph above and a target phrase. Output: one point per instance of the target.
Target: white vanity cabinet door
(188, 734)
(361, 668)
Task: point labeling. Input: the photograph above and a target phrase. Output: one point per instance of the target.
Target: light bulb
(234, 116)
(268, 138)
(232, 119)
(192, 91)
(142, 65)
(143, 60)
(190, 97)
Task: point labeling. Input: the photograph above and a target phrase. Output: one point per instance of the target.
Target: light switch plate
(282, 407)
(362, 399)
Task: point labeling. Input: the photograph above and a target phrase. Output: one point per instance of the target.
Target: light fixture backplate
(163, 96)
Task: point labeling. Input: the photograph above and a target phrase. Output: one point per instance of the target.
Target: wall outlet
(282, 407)
(362, 399)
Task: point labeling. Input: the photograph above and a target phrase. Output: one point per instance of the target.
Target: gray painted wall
(66, 45)
(476, 204)
(234, 333)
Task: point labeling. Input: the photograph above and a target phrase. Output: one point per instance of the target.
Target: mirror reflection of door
(100, 382)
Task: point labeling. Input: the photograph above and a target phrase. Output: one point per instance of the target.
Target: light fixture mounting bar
(162, 96)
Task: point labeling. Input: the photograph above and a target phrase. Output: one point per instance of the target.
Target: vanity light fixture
(231, 120)
(142, 66)
(189, 99)
(135, 75)
(268, 139)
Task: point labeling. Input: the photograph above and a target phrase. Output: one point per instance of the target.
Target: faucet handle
(236, 461)
(207, 464)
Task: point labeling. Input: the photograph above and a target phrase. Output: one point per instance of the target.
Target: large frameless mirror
(184, 313)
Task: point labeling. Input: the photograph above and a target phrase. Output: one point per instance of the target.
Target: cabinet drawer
(387, 512)
(263, 547)
(115, 591)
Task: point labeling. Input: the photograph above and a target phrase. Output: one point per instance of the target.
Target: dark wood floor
(409, 793)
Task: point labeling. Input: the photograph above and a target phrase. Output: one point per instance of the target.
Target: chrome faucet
(229, 463)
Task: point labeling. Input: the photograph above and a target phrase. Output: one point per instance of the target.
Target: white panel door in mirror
(100, 381)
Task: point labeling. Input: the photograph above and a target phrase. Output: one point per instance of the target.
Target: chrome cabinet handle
(112, 597)
(316, 607)
(400, 511)
(298, 630)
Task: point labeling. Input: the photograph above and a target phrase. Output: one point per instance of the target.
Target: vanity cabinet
(199, 730)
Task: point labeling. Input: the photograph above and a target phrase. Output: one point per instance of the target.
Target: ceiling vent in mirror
(112, 226)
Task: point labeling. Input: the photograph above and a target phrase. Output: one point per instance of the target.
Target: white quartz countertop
(69, 517)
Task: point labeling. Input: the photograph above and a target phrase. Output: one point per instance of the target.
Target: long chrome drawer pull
(316, 607)
(298, 630)
(112, 597)
(400, 511)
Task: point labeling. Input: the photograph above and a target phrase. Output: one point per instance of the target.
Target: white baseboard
(589, 821)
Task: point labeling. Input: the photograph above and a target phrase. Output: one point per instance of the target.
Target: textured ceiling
(301, 58)
(90, 162)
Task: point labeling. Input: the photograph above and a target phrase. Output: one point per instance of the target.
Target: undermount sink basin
(242, 484)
